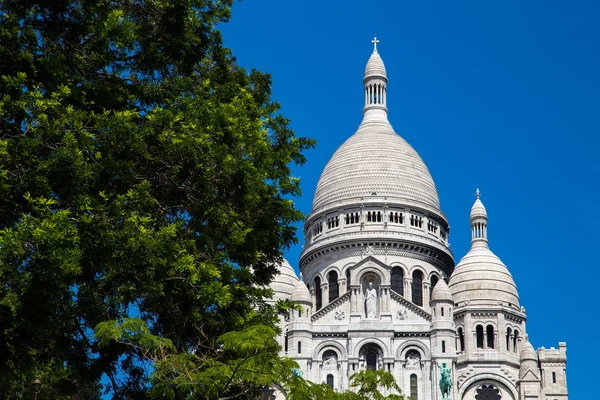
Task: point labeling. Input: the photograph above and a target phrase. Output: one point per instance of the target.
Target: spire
(479, 221)
(375, 81)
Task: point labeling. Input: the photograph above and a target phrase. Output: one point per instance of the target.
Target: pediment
(367, 260)
(337, 311)
(405, 310)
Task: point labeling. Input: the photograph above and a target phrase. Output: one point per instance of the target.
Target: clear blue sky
(502, 95)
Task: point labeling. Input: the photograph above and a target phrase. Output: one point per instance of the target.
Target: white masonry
(376, 221)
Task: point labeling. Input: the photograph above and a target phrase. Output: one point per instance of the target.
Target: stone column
(408, 289)
(426, 291)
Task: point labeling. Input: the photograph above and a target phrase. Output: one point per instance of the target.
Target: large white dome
(376, 160)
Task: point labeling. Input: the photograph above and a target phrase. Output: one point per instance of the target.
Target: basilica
(379, 287)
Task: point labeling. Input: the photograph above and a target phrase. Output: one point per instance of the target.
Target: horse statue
(445, 381)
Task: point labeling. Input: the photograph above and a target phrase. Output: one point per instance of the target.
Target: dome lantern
(375, 82)
(479, 221)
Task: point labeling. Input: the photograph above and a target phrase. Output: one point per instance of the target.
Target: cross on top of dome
(477, 193)
(375, 41)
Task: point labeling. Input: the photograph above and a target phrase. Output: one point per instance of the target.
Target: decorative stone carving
(340, 315)
(413, 360)
(402, 314)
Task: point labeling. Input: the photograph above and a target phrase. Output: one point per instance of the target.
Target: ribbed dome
(482, 278)
(441, 292)
(301, 293)
(375, 66)
(376, 160)
(284, 282)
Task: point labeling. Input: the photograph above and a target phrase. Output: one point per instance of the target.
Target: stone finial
(477, 193)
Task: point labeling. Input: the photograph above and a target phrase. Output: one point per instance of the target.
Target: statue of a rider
(445, 381)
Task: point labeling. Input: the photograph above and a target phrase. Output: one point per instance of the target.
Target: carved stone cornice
(387, 247)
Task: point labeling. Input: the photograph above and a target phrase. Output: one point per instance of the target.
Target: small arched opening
(334, 290)
(490, 336)
(417, 288)
(479, 335)
(398, 280)
(318, 293)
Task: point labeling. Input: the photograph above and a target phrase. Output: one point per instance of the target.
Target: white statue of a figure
(371, 300)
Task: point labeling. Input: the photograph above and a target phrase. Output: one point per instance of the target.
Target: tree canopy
(141, 172)
(145, 189)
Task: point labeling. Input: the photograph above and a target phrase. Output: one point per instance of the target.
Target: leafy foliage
(141, 171)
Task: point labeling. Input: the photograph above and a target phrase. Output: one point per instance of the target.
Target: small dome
(529, 360)
(482, 278)
(478, 210)
(301, 293)
(441, 292)
(284, 282)
(527, 352)
(375, 67)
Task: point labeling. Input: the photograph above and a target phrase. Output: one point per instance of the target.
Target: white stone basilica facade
(380, 287)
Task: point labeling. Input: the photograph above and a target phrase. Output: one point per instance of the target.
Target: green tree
(141, 172)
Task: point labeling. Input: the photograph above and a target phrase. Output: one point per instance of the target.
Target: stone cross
(375, 41)
(477, 193)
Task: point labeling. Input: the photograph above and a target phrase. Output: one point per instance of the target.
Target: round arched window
(488, 392)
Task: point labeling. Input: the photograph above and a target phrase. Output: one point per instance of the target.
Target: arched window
(434, 281)
(318, 293)
(443, 346)
(461, 339)
(378, 216)
(330, 380)
(398, 280)
(368, 216)
(371, 358)
(414, 392)
(479, 334)
(417, 288)
(490, 336)
(285, 342)
(508, 332)
(487, 392)
(515, 337)
(553, 377)
(442, 312)
(347, 280)
(334, 290)
(299, 347)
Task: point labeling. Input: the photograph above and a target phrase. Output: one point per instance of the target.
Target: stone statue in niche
(371, 301)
